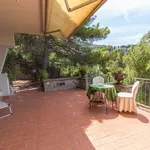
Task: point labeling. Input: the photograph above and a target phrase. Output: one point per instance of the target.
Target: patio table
(108, 90)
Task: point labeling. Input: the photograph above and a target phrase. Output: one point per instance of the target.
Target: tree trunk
(46, 54)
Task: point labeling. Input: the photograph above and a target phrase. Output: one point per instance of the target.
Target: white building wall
(6, 41)
(3, 53)
(4, 84)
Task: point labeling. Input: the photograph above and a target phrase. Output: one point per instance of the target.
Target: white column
(6, 41)
(3, 53)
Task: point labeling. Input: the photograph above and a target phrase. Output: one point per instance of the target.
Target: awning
(63, 17)
(60, 18)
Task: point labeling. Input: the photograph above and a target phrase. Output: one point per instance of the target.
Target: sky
(128, 21)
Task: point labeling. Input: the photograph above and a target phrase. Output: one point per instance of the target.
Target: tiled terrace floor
(62, 121)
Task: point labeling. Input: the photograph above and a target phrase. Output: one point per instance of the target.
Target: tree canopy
(37, 49)
(90, 32)
(146, 38)
(77, 53)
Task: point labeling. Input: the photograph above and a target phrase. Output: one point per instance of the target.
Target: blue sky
(128, 21)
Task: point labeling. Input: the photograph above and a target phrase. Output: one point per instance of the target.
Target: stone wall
(64, 83)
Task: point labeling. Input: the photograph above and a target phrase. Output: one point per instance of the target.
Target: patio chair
(99, 96)
(4, 105)
(127, 101)
(98, 79)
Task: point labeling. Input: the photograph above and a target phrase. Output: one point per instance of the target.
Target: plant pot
(119, 76)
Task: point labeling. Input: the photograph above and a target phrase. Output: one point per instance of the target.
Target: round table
(108, 90)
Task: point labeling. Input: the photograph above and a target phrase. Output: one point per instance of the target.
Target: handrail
(142, 79)
(143, 95)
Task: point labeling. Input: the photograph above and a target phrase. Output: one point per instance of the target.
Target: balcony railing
(143, 95)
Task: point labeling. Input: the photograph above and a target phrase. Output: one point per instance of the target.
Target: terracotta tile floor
(61, 120)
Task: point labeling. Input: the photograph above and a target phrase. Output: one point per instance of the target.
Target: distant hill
(122, 47)
(92, 45)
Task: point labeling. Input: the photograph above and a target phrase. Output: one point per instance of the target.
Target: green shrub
(43, 74)
(83, 70)
(11, 77)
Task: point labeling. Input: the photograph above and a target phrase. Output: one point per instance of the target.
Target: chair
(99, 96)
(4, 105)
(98, 79)
(127, 101)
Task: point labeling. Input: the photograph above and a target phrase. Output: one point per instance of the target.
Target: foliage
(141, 97)
(130, 75)
(36, 49)
(138, 60)
(146, 38)
(83, 70)
(115, 64)
(43, 74)
(69, 71)
(89, 32)
(13, 56)
(71, 58)
(95, 70)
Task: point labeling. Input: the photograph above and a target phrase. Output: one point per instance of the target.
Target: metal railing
(143, 95)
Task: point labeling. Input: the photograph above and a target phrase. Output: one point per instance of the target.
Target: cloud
(121, 40)
(124, 5)
(128, 29)
(134, 38)
(128, 21)
(115, 8)
(126, 18)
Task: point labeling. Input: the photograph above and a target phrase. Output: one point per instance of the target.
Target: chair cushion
(124, 94)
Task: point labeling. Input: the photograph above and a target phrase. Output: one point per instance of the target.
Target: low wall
(64, 83)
